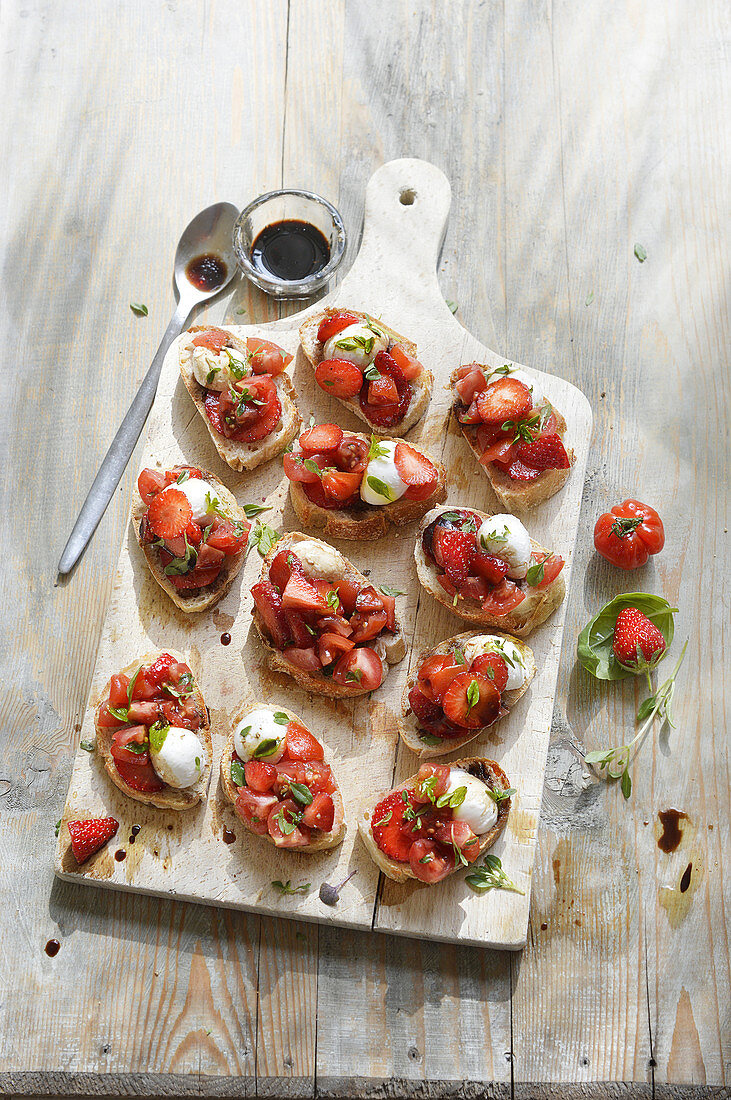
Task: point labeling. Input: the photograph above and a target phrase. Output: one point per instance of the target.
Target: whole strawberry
(638, 644)
(90, 835)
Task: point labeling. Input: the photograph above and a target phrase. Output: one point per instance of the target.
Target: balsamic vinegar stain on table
(672, 834)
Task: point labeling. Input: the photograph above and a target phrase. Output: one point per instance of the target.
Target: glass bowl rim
(336, 255)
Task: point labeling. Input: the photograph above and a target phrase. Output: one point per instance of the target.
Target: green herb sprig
(490, 876)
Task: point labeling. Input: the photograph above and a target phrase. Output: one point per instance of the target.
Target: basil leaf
(594, 647)
(429, 739)
(371, 373)
(137, 747)
(536, 572)
(263, 538)
(377, 449)
(646, 707)
(453, 306)
(138, 308)
(384, 820)
(301, 793)
(281, 718)
(252, 510)
(640, 253)
(131, 686)
(589, 298)
(388, 591)
(211, 375)
(265, 748)
(459, 656)
(238, 775)
(182, 477)
(158, 733)
(120, 715)
(473, 695)
(288, 888)
(499, 795)
(380, 487)
(87, 746)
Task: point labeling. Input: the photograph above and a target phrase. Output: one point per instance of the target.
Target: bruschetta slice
(192, 533)
(515, 433)
(487, 569)
(242, 391)
(274, 771)
(461, 687)
(439, 820)
(322, 622)
(369, 367)
(153, 732)
(353, 487)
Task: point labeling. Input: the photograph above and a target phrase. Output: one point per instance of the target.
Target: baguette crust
(408, 725)
(538, 604)
(326, 840)
(421, 386)
(170, 798)
(390, 649)
(374, 522)
(209, 595)
(401, 872)
(244, 456)
(515, 495)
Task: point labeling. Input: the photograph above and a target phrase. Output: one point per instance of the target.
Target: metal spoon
(209, 232)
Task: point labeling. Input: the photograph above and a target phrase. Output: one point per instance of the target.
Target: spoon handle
(121, 448)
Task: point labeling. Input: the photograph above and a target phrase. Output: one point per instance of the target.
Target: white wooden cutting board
(185, 855)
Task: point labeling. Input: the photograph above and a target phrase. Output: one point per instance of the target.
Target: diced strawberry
(226, 537)
(315, 775)
(410, 366)
(425, 709)
(150, 483)
(209, 557)
(488, 566)
(198, 578)
(321, 437)
(146, 712)
(334, 323)
(160, 671)
(387, 416)
(300, 594)
(298, 628)
(506, 399)
(471, 414)
(90, 835)
(320, 814)
(472, 701)
(118, 687)
(436, 674)
(169, 513)
(471, 383)
(268, 603)
(387, 826)
(494, 667)
(547, 452)
(334, 624)
(382, 391)
(416, 471)
(453, 550)
(339, 377)
(300, 744)
(281, 568)
(347, 591)
(552, 566)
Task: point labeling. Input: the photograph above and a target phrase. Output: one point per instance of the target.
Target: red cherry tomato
(149, 484)
(362, 667)
(266, 357)
(320, 814)
(301, 745)
(260, 776)
(283, 826)
(472, 700)
(254, 807)
(628, 534)
(502, 599)
(429, 861)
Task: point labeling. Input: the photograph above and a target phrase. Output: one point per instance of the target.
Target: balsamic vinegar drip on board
(290, 250)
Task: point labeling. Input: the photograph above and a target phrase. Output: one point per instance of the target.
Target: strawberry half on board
(88, 836)
(638, 644)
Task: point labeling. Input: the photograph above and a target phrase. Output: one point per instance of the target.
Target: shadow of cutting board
(191, 855)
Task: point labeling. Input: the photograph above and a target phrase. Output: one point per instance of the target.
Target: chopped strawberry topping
(547, 452)
(387, 821)
(169, 513)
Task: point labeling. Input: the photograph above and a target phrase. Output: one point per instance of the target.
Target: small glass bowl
(286, 205)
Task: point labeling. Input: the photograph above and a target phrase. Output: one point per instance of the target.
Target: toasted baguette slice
(538, 604)
(422, 386)
(390, 647)
(169, 798)
(325, 840)
(515, 495)
(244, 456)
(486, 770)
(408, 724)
(366, 522)
(199, 599)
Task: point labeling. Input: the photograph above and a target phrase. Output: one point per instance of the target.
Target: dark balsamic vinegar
(290, 250)
(206, 272)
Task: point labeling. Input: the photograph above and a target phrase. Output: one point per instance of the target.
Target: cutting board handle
(406, 208)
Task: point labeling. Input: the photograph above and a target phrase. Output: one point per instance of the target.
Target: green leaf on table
(138, 308)
(640, 253)
(594, 647)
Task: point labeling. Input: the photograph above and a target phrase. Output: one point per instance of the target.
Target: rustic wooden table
(570, 132)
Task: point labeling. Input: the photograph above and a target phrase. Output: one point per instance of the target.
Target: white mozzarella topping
(381, 483)
(320, 561)
(490, 643)
(505, 537)
(200, 494)
(359, 344)
(257, 727)
(214, 369)
(180, 758)
(479, 810)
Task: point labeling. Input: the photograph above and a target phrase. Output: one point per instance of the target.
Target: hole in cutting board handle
(407, 196)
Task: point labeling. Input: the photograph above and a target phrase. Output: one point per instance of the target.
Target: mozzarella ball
(505, 537)
(255, 728)
(320, 561)
(479, 810)
(490, 643)
(180, 759)
(348, 344)
(382, 468)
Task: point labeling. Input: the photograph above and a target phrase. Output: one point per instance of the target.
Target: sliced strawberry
(387, 416)
(547, 452)
(387, 826)
(471, 383)
(453, 550)
(260, 776)
(90, 835)
(416, 471)
(150, 483)
(339, 377)
(300, 594)
(410, 366)
(506, 399)
(321, 437)
(488, 566)
(320, 814)
(268, 603)
(300, 744)
(471, 414)
(472, 701)
(169, 513)
(281, 568)
(494, 667)
(333, 324)
(638, 644)
(227, 537)
(382, 391)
